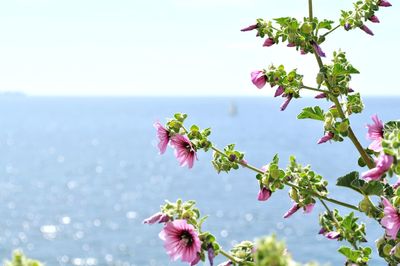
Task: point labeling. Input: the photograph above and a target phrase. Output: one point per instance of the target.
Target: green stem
(352, 136)
(315, 89)
(255, 169)
(228, 256)
(310, 10)
(329, 32)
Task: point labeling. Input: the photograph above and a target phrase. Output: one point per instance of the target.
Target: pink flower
(250, 28)
(328, 136)
(292, 210)
(181, 241)
(163, 137)
(374, 19)
(279, 91)
(159, 217)
(382, 164)
(269, 42)
(286, 102)
(264, 194)
(197, 260)
(258, 78)
(184, 150)
(375, 133)
(291, 44)
(308, 208)
(367, 30)
(391, 219)
(384, 3)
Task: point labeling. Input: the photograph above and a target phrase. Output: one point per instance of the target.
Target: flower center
(186, 239)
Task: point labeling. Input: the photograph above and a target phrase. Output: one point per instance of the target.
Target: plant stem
(335, 100)
(315, 89)
(228, 256)
(255, 169)
(329, 32)
(310, 10)
(342, 115)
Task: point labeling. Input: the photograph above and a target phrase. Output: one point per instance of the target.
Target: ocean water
(79, 175)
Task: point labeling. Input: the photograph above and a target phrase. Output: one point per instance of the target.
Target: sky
(173, 47)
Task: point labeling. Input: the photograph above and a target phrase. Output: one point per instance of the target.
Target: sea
(79, 175)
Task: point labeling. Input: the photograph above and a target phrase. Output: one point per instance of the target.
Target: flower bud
(384, 3)
(343, 127)
(320, 78)
(269, 42)
(374, 19)
(249, 28)
(307, 28)
(367, 30)
(386, 249)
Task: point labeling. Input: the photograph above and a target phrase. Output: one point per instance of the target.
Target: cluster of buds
(306, 185)
(272, 179)
(363, 11)
(289, 83)
(338, 74)
(337, 227)
(229, 160)
(299, 34)
(19, 259)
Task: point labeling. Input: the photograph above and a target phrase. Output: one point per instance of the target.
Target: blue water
(78, 176)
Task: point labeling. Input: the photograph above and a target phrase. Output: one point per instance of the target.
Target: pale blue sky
(172, 47)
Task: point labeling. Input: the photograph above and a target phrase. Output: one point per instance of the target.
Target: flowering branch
(306, 186)
(257, 170)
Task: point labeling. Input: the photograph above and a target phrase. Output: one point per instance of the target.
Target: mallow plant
(182, 222)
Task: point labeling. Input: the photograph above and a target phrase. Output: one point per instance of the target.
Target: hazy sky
(172, 47)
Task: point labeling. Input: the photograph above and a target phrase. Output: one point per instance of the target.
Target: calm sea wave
(78, 176)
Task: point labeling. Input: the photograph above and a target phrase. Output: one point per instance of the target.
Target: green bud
(320, 78)
(307, 28)
(274, 173)
(343, 127)
(294, 195)
(240, 254)
(386, 249)
(379, 242)
(365, 205)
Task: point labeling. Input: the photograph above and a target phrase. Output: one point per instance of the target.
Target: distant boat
(232, 109)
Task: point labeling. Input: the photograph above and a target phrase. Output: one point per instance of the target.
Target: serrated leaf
(315, 113)
(352, 255)
(349, 181)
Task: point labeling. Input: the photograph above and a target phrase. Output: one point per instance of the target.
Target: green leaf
(315, 113)
(325, 24)
(372, 188)
(352, 255)
(348, 181)
(353, 181)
